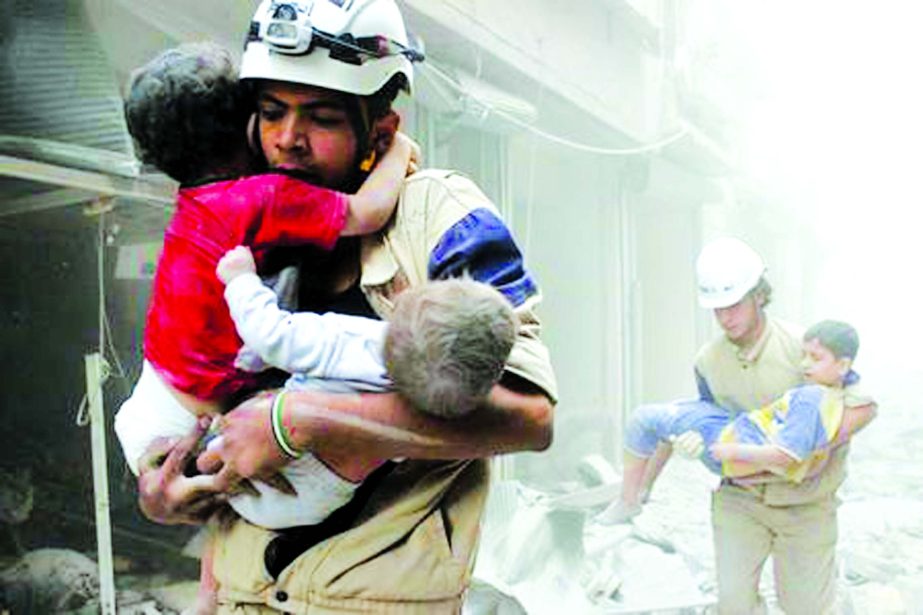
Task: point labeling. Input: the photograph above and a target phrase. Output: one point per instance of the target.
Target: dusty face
(742, 322)
(307, 128)
(820, 366)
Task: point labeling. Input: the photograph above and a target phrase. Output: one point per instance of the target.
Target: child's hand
(235, 262)
(404, 142)
(688, 444)
(722, 451)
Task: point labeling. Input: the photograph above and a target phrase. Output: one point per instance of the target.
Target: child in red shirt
(188, 115)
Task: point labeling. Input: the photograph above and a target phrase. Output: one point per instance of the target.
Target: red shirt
(189, 336)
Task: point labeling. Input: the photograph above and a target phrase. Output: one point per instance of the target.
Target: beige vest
(413, 550)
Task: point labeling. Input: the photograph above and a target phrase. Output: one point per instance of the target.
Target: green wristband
(278, 429)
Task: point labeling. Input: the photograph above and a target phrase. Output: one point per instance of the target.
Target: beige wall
(586, 52)
(566, 218)
(666, 219)
(666, 344)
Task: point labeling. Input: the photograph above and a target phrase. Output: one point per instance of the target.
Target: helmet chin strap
(362, 126)
(368, 162)
(254, 141)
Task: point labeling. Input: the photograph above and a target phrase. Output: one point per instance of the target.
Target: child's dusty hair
(838, 337)
(447, 344)
(187, 112)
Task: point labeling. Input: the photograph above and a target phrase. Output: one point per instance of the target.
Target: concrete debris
(876, 598)
(484, 599)
(550, 559)
(523, 535)
(547, 562)
(605, 582)
(49, 581)
(532, 552)
(861, 567)
(651, 578)
(594, 470)
(66, 581)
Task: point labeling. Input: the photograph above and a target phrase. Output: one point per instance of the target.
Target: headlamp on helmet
(352, 46)
(286, 27)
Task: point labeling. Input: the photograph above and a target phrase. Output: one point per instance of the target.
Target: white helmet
(727, 269)
(352, 46)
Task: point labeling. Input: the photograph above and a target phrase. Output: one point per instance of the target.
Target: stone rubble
(533, 556)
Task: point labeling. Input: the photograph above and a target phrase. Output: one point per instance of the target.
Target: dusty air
(443, 306)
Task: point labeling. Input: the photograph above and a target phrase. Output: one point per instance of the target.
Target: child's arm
(320, 345)
(752, 458)
(854, 420)
(284, 209)
(371, 207)
(792, 443)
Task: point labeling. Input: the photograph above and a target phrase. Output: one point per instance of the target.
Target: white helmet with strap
(727, 269)
(353, 46)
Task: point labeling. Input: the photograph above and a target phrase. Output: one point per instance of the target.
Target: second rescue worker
(758, 358)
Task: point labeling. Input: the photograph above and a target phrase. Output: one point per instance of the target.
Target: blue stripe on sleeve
(481, 246)
(705, 393)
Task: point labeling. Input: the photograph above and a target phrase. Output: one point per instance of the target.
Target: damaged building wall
(49, 298)
(597, 55)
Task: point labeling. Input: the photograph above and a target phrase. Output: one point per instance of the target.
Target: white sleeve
(150, 413)
(320, 345)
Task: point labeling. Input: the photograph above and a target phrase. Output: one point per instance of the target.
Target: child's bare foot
(618, 512)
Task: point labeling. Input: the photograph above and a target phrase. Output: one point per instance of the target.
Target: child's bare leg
(653, 469)
(206, 601)
(628, 504)
(635, 471)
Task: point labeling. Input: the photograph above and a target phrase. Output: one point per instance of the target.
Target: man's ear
(844, 364)
(382, 132)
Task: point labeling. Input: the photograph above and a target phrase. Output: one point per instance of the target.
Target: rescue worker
(756, 359)
(325, 74)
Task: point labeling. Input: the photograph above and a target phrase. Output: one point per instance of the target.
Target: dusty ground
(664, 561)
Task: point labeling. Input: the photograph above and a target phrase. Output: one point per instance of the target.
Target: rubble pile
(534, 561)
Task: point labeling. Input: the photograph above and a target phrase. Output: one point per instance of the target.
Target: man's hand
(689, 444)
(165, 494)
(235, 262)
(245, 447)
(723, 451)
